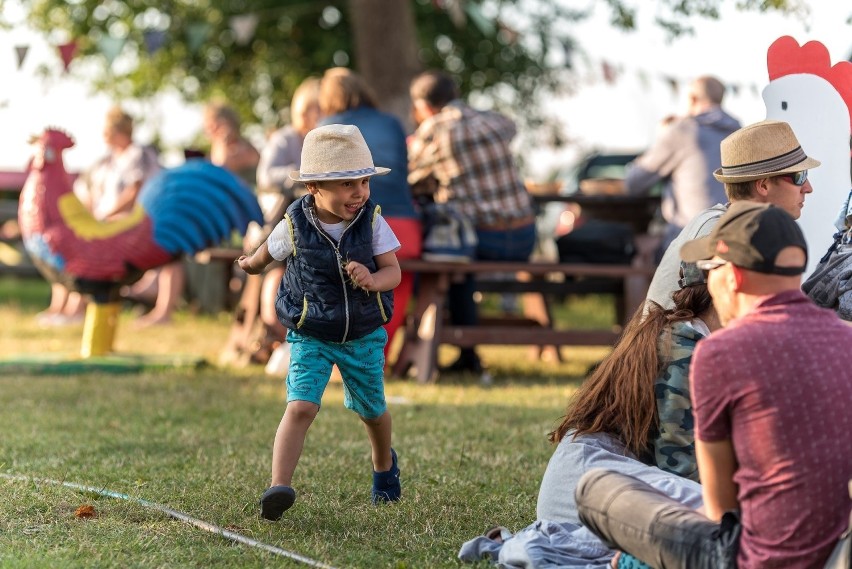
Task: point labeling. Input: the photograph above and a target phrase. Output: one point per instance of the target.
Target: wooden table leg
(420, 346)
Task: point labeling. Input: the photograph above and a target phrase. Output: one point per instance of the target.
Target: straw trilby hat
(762, 150)
(336, 152)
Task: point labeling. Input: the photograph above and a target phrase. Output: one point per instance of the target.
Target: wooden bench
(426, 329)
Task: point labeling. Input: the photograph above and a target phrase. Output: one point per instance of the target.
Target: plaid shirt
(467, 152)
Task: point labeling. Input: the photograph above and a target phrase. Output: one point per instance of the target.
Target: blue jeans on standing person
(636, 518)
(493, 245)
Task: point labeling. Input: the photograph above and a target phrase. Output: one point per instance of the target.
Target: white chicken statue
(815, 98)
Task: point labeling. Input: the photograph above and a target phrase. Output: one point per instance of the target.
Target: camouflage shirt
(674, 445)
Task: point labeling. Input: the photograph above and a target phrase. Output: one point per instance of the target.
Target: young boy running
(335, 297)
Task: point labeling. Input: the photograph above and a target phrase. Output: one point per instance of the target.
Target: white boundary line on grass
(177, 515)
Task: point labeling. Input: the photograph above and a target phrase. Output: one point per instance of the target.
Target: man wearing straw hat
(761, 162)
(336, 294)
(770, 397)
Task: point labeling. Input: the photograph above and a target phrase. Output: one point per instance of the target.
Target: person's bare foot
(149, 320)
(614, 562)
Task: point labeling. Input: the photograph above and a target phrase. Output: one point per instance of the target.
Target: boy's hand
(255, 263)
(245, 264)
(361, 276)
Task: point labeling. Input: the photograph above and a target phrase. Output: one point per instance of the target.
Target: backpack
(448, 234)
(597, 241)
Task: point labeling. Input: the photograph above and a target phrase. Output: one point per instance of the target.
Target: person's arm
(241, 155)
(716, 466)
(386, 277)
(125, 200)
(277, 159)
(653, 165)
(255, 263)
(674, 446)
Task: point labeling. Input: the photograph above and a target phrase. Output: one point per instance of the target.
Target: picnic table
(427, 328)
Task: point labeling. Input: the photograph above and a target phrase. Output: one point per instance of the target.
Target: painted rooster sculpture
(180, 211)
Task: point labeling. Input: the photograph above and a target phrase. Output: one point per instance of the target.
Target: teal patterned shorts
(361, 363)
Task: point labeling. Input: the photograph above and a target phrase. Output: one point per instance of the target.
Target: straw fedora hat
(762, 150)
(335, 152)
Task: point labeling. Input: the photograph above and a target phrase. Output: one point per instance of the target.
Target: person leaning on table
(464, 153)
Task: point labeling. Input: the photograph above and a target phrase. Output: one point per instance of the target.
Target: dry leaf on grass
(85, 511)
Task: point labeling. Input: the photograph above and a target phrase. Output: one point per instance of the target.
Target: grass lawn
(200, 442)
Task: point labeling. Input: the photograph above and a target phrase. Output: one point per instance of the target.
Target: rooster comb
(786, 57)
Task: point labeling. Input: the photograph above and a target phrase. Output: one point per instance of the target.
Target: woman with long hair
(346, 98)
(633, 413)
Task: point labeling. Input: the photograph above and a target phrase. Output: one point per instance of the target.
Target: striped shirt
(467, 152)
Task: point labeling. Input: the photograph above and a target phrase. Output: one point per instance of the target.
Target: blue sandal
(386, 486)
(275, 501)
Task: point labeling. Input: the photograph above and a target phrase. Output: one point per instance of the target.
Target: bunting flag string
(462, 12)
(610, 73)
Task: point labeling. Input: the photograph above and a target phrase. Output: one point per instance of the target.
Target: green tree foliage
(510, 50)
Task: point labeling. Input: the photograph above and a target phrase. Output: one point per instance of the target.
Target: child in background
(335, 297)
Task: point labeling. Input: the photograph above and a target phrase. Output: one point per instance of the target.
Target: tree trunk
(385, 38)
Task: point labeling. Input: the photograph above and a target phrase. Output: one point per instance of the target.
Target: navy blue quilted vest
(316, 296)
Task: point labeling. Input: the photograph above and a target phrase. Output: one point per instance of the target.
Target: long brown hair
(618, 397)
(342, 89)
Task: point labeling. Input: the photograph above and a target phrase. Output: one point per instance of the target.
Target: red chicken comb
(54, 137)
(786, 57)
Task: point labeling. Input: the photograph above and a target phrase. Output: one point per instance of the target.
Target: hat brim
(805, 164)
(296, 175)
(697, 250)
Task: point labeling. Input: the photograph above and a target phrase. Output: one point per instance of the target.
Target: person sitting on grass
(771, 395)
(334, 298)
(632, 415)
(636, 402)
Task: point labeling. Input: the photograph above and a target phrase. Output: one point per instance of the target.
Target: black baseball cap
(750, 235)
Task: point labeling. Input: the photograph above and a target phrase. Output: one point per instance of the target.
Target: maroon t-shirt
(778, 383)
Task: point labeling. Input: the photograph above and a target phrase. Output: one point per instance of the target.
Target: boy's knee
(302, 410)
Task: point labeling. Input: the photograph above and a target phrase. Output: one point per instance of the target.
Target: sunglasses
(708, 265)
(797, 178)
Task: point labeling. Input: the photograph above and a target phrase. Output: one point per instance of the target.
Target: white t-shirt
(109, 177)
(281, 246)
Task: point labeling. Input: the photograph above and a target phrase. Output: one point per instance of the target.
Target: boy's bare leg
(379, 431)
(290, 440)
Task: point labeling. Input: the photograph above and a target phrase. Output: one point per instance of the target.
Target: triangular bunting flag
(154, 40)
(196, 34)
(243, 27)
(67, 51)
(673, 84)
(21, 53)
(456, 12)
(479, 20)
(609, 72)
(111, 47)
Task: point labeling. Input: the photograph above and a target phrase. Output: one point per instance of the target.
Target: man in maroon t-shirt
(770, 398)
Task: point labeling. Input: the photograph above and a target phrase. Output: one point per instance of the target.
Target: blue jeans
(503, 245)
(636, 518)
